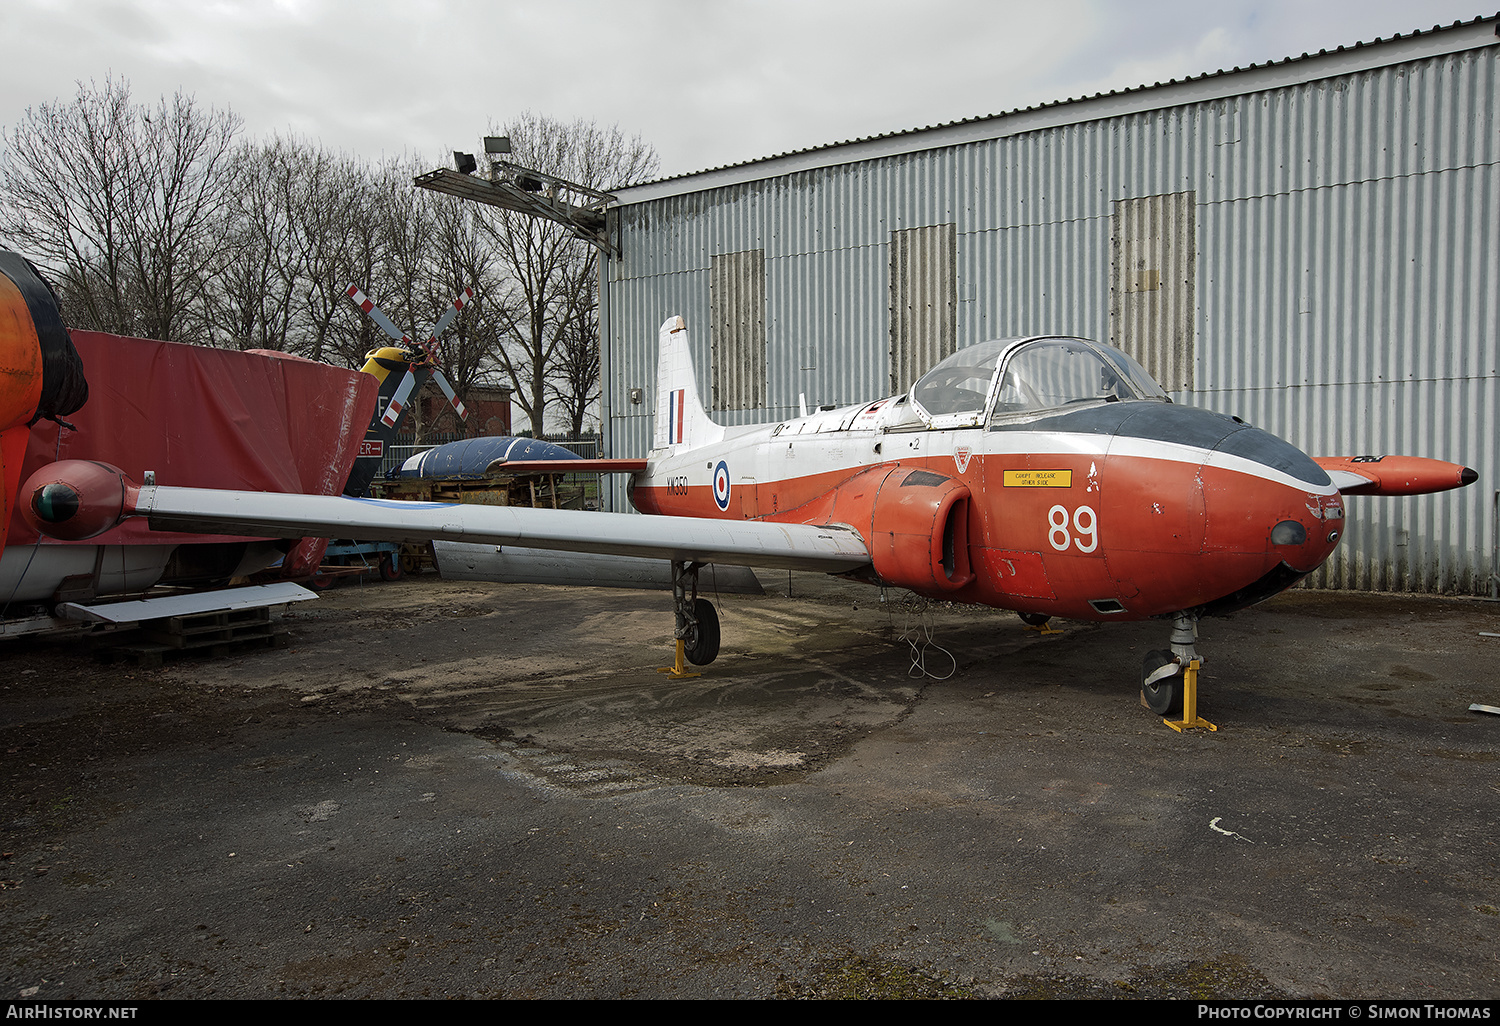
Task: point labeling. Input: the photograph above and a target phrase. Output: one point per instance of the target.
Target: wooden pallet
(213, 634)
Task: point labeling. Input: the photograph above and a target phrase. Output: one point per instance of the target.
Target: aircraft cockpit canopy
(1010, 377)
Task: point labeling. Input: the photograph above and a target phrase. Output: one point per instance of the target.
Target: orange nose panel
(20, 359)
(20, 390)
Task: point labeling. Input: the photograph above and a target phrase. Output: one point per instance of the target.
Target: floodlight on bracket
(527, 191)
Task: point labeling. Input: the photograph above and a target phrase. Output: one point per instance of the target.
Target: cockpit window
(960, 384)
(1037, 375)
(1047, 374)
(1141, 383)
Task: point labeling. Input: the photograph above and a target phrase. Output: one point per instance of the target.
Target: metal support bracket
(1190, 716)
(536, 193)
(679, 669)
(684, 597)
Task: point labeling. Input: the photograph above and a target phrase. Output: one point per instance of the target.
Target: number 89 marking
(1084, 523)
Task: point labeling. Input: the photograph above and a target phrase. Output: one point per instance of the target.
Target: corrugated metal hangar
(1311, 244)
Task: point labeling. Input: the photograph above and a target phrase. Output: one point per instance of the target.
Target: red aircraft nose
(1268, 523)
(1207, 513)
(1305, 543)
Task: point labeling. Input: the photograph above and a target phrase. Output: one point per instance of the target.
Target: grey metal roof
(1362, 56)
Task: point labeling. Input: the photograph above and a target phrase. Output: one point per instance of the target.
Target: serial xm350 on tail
(1046, 475)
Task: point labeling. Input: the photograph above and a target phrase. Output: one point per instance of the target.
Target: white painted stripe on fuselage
(786, 457)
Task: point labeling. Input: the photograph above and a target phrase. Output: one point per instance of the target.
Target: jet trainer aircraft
(1046, 475)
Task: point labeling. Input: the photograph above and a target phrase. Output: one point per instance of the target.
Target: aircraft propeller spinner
(426, 355)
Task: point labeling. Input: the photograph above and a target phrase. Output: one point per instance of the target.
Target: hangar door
(1153, 264)
(924, 300)
(737, 329)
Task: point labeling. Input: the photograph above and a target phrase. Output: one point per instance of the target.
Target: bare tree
(341, 241)
(551, 274)
(574, 383)
(119, 203)
(461, 258)
(249, 299)
(154, 223)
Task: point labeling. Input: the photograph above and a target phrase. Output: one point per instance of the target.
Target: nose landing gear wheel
(1169, 679)
(1161, 689)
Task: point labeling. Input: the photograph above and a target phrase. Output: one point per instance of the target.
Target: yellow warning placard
(1039, 479)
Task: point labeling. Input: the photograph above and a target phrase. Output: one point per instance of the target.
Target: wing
(78, 499)
(1394, 475)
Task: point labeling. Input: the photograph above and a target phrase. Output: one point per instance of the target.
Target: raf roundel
(721, 485)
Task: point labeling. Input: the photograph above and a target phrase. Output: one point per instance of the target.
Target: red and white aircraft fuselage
(1046, 475)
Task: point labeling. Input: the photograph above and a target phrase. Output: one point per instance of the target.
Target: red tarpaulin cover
(206, 418)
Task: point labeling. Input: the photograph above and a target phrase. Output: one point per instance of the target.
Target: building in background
(1312, 244)
(488, 408)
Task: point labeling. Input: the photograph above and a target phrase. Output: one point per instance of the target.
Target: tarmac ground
(443, 789)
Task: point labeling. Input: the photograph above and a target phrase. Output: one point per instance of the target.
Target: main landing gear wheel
(697, 633)
(1162, 695)
(702, 643)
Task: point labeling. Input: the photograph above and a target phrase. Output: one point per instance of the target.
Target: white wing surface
(696, 539)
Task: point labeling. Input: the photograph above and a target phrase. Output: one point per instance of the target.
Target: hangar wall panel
(737, 330)
(923, 301)
(1342, 276)
(1151, 314)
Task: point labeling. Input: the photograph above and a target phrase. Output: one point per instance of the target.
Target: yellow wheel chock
(679, 669)
(1190, 716)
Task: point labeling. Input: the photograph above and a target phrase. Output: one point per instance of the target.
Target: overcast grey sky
(707, 83)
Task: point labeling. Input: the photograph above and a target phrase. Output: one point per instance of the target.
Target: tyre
(1035, 619)
(1162, 696)
(390, 566)
(702, 645)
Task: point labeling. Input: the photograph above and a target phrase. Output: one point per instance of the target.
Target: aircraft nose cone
(1266, 495)
(1273, 517)
(1237, 513)
(1306, 541)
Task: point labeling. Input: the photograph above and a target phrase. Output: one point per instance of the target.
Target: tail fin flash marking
(680, 417)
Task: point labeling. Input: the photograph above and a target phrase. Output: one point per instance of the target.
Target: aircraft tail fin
(398, 384)
(680, 417)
